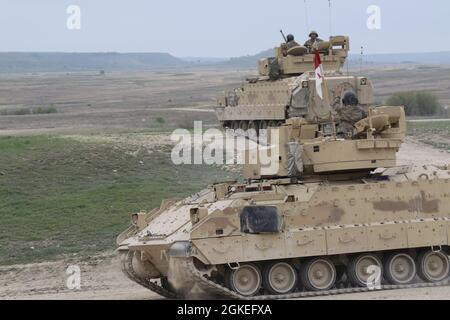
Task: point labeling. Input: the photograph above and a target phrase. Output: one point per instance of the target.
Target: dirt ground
(417, 153)
(101, 277)
(136, 101)
(116, 102)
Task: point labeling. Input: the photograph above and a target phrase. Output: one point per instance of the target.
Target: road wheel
(318, 274)
(272, 123)
(399, 268)
(253, 130)
(245, 280)
(279, 278)
(243, 125)
(262, 132)
(263, 124)
(359, 269)
(433, 266)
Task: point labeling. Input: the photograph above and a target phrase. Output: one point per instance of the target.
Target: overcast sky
(219, 28)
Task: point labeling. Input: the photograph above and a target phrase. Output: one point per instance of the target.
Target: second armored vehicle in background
(285, 88)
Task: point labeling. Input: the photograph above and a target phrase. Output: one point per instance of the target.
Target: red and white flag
(319, 74)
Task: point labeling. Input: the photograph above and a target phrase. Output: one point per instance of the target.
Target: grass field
(435, 133)
(61, 196)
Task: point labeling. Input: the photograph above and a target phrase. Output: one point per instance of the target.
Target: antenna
(306, 17)
(361, 60)
(347, 62)
(282, 33)
(329, 18)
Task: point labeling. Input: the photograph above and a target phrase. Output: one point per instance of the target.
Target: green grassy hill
(60, 196)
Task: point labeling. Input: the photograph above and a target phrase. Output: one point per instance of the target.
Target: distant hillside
(17, 62)
(404, 58)
(65, 62)
(203, 60)
(354, 59)
(400, 58)
(249, 61)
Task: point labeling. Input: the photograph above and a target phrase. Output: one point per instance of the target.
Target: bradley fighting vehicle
(328, 211)
(285, 87)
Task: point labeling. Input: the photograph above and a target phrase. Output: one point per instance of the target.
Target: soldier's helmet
(313, 32)
(350, 99)
(290, 37)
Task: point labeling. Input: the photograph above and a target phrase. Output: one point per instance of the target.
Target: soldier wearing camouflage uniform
(291, 43)
(313, 39)
(349, 113)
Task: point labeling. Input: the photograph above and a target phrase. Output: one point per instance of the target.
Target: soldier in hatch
(291, 43)
(349, 113)
(313, 39)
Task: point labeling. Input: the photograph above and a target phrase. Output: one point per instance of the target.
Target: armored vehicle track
(210, 287)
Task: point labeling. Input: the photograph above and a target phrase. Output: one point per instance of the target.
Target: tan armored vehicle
(285, 87)
(327, 215)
